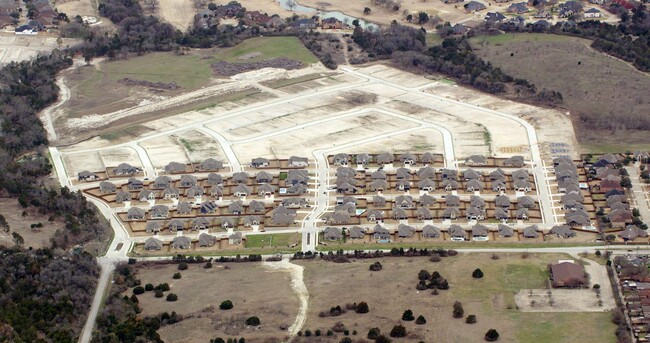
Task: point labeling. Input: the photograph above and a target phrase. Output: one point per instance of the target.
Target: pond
(294, 6)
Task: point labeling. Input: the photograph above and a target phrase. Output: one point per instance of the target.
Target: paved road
(639, 194)
(107, 267)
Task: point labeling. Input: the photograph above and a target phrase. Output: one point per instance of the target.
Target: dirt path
(298, 285)
(51, 111)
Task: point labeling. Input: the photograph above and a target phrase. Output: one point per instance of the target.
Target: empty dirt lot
(200, 291)
(391, 291)
(21, 48)
(601, 88)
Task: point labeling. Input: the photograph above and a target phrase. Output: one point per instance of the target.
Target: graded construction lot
(200, 292)
(22, 48)
(391, 291)
(602, 88)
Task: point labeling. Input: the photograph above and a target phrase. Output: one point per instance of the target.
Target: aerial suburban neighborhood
(300, 170)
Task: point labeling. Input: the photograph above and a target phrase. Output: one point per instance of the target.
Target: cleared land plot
(601, 88)
(163, 150)
(21, 48)
(113, 157)
(34, 238)
(303, 141)
(200, 291)
(74, 8)
(271, 241)
(178, 13)
(391, 291)
(91, 161)
(200, 147)
(425, 140)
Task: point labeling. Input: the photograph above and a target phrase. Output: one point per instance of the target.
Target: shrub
(373, 333)
(458, 310)
(226, 305)
(452, 252)
(208, 265)
(398, 331)
(424, 275)
(471, 319)
(159, 294)
(596, 286)
(346, 340)
(435, 258)
(163, 287)
(182, 266)
(477, 273)
(495, 256)
(346, 332)
(382, 339)
(138, 290)
(362, 307)
(330, 333)
(408, 315)
(318, 333)
(375, 267)
(253, 321)
(421, 320)
(491, 335)
(148, 287)
(172, 297)
(338, 327)
(176, 276)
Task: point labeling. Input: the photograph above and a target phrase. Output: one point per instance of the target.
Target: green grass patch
(267, 47)
(564, 327)
(283, 175)
(433, 39)
(275, 240)
(332, 246)
(187, 144)
(130, 131)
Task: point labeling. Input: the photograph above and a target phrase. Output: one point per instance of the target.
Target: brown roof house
(567, 274)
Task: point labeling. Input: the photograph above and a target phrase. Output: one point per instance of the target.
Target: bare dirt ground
(199, 147)
(200, 291)
(163, 150)
(391, 291)
(78, 7)
(113, 157)
(35, 238)
(91, 161)
(179, 13)
(21, 48)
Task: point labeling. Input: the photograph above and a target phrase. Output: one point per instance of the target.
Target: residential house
(87, 176)
(153, 244)
(357, 232)
(294, 202)
(404, 201)
(241, 190)
(451, 213)
(263, 177)
(459, 29)
(175, 168)
(568, 9)
(614, 192)
(122, 197)
(426, 200)
(400, 214)
(181, 242)
(275, 22)
(381, 234)
(525, 201)
(153, 226)
(184, 208)
(475, 160)
(125, 169)
(339, 217)
(562, 231)
(107, 187)
(405, 231)
(620, 217)
(530, 231)
(26, 30)
(452, 200)
(577, 218)
(206, 240)
(517, 160)
(480, 232)
(146, 195)
(408, 159)
(474, 185)
(332, 233)
(473, 6)
(345, 172)
(505, 231)
(341, 159)
(378, 185)
(375, 215)
(260, 162)
(176, 225)
(171, 193)
(385, 158)
(497, 174)
(134, 184)
(456, 232)
(378, 201)
(228, 222)
(162, 182)
(449, 174)
(331, 23)
(240, 177)
(211, 164)
(201, 223)
(423, 213)
(501, 214)
(236, 238)
(522, 213)
(346, 200)
(215, 179)
(195, 192)
(135, 213)
(632, 232)
(498, 186)
(502, 201)
(430, 231)
(426, 173)
(568, 274)
(298, 162)
(236, 207)
(296, 190)
(188, 181)
(208, 207)
(252, 221)
(295, 177)
(608, 185)
(216, 191)
(403, 174)
(427, 158)
(522, 185)
(476, 201)
(427, 185)
(256, 17)
(159, 212)
(475, 213)
(304, 24)
(471, 174)
(494, 17)
(450, 185)
(256, 206)
(520, 174)
(363, 159)
(346, 188)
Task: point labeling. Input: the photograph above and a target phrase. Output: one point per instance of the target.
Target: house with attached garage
(146, 195)
(184, 208)
(426, 200)
(405, 231)
(424, 213)
(457, 233)
(188, 181)
(378, 186)
(201, 223)
(427, 185)
(522, 185)
(260, 162)
(505, 231)
(159, 212)
(256, 206)
(473, 6)
(87, 176)
(171, 193)
(240, 177)
(265, 190)
(426, 173)
(296, 190)
(498, 186)
(501, 214)
(363, 159)
(430, 231)
(451, 213)
(476, 201)
(208, 207)
(408, 159)
(404, 201)
(176, 225)
(175, 168)
(181, 242)
(375, 215)
(215, 179)
(400, 214)
(294, 202)
(134, 184)
(474, 186)
(135, 213)
(471, 174)
(241, 190)
(452, 200)
(107, 187)
(475, 213)
(122, 197)
(357, 232)
(502, 201)
(345, 172)
(480, 232)
(567, 274)
(332, 233)
(125, 169)
(236, 207)
(345, 187)
(522, 214)
(385, 158)
(476, 160)
(449, 174)
(450, 185)
(216, 192)
(381, 234)
(378, 201)
(153, 244)
(403, 185)
(298, 162)
(206, 240)
(162, 182)
(252, 221)
(195, 192)
(210, 165)
(497, 174)
(338, 217)
(153, 226)
(263, 177)
(331, 23)
(228, 222)
(516, 161)
(341, 159)
(403, 174)
(593, 13)
(236, 238)
(494, 17)
(531, 231)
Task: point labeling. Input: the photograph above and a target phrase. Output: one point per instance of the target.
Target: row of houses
(454, 232)
(204, 240)
(635, 284)
(572, 200)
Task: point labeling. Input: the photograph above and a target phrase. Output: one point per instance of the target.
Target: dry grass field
(391, 291)
(200, 291)
(35, 238)
(179, 13)
(594, 85)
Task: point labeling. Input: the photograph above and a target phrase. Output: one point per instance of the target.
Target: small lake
(294, 6)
